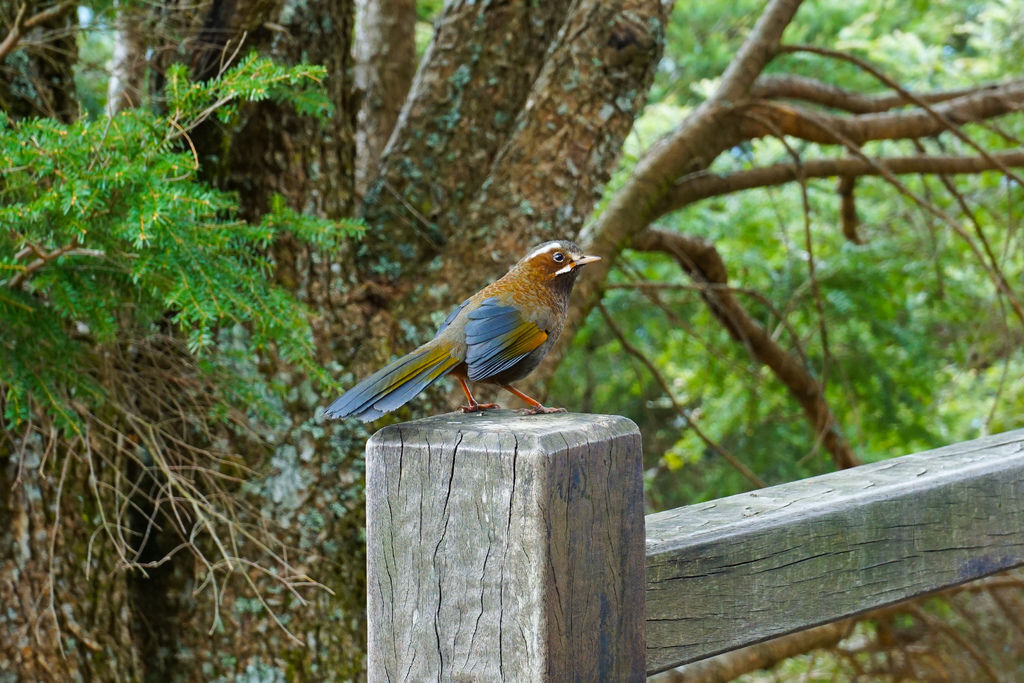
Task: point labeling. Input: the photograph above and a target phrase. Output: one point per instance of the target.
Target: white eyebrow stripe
(543, 249)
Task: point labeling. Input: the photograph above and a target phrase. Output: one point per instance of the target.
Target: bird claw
(540, 410)
(477, 407)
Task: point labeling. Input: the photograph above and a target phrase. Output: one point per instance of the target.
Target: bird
(497, 336)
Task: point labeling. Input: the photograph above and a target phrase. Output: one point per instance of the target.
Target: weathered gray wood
(505, 547)
(738, 570)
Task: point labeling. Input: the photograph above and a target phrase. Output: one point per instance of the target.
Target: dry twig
(683, 413)
(21, 24)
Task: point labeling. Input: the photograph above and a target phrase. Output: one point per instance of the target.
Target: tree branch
(680, 411)
(698, 140)
(701, 261)
(938, 116)
(995, 271)
(21, 25)
(730, 665)
(14, 34)
(757, 50)
(811, 125)
(698, 186)
(789, 86)
(848, 207)
(46, 257)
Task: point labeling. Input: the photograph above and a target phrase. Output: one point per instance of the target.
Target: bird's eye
(559, 257)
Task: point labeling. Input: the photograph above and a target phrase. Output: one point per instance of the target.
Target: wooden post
(505, 547)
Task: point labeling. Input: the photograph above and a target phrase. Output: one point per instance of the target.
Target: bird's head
(556, 261)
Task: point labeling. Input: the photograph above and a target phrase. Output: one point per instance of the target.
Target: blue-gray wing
(451, 317)
(497, 337)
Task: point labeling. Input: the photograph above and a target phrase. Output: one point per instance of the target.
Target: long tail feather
(394, 385)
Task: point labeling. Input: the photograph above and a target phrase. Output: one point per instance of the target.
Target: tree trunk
(314, 489)
(487, 104)
(532, 178)
(473, 82)
(67, 608)
(505, 139)
(126, 86)
(385, 63)
(567, 140)
(55, 625)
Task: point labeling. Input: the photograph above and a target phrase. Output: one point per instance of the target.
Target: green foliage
(920, 349)
(426, 12)
(920, 43)
(105, 233)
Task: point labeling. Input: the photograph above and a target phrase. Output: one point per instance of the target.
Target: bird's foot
(475, 407)
(540, 410)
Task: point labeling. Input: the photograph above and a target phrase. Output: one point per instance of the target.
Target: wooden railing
(507, 547)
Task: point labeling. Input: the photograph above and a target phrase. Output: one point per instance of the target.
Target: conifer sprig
(106, 230)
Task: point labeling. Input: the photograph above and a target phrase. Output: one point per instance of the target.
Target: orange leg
(473, 405)
(536, 408)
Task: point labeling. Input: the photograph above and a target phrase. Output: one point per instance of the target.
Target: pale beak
(573, 265)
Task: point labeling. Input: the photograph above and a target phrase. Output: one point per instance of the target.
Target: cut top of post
(549, 433)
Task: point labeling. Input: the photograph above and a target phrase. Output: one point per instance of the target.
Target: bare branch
(811, 270)
(730, 665)
(702, 262)
(21, 24)
(46, 15)
(810, 125)
(680, 411)
(697, 141)
(941, 626)
(848, 208)
(997, 270)
(994, 271)
(46, 257)
(14, 34)
(793, 87)
(938, 116)
(700, 138)
(698, 186)
(721, 123)
(757, 50)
